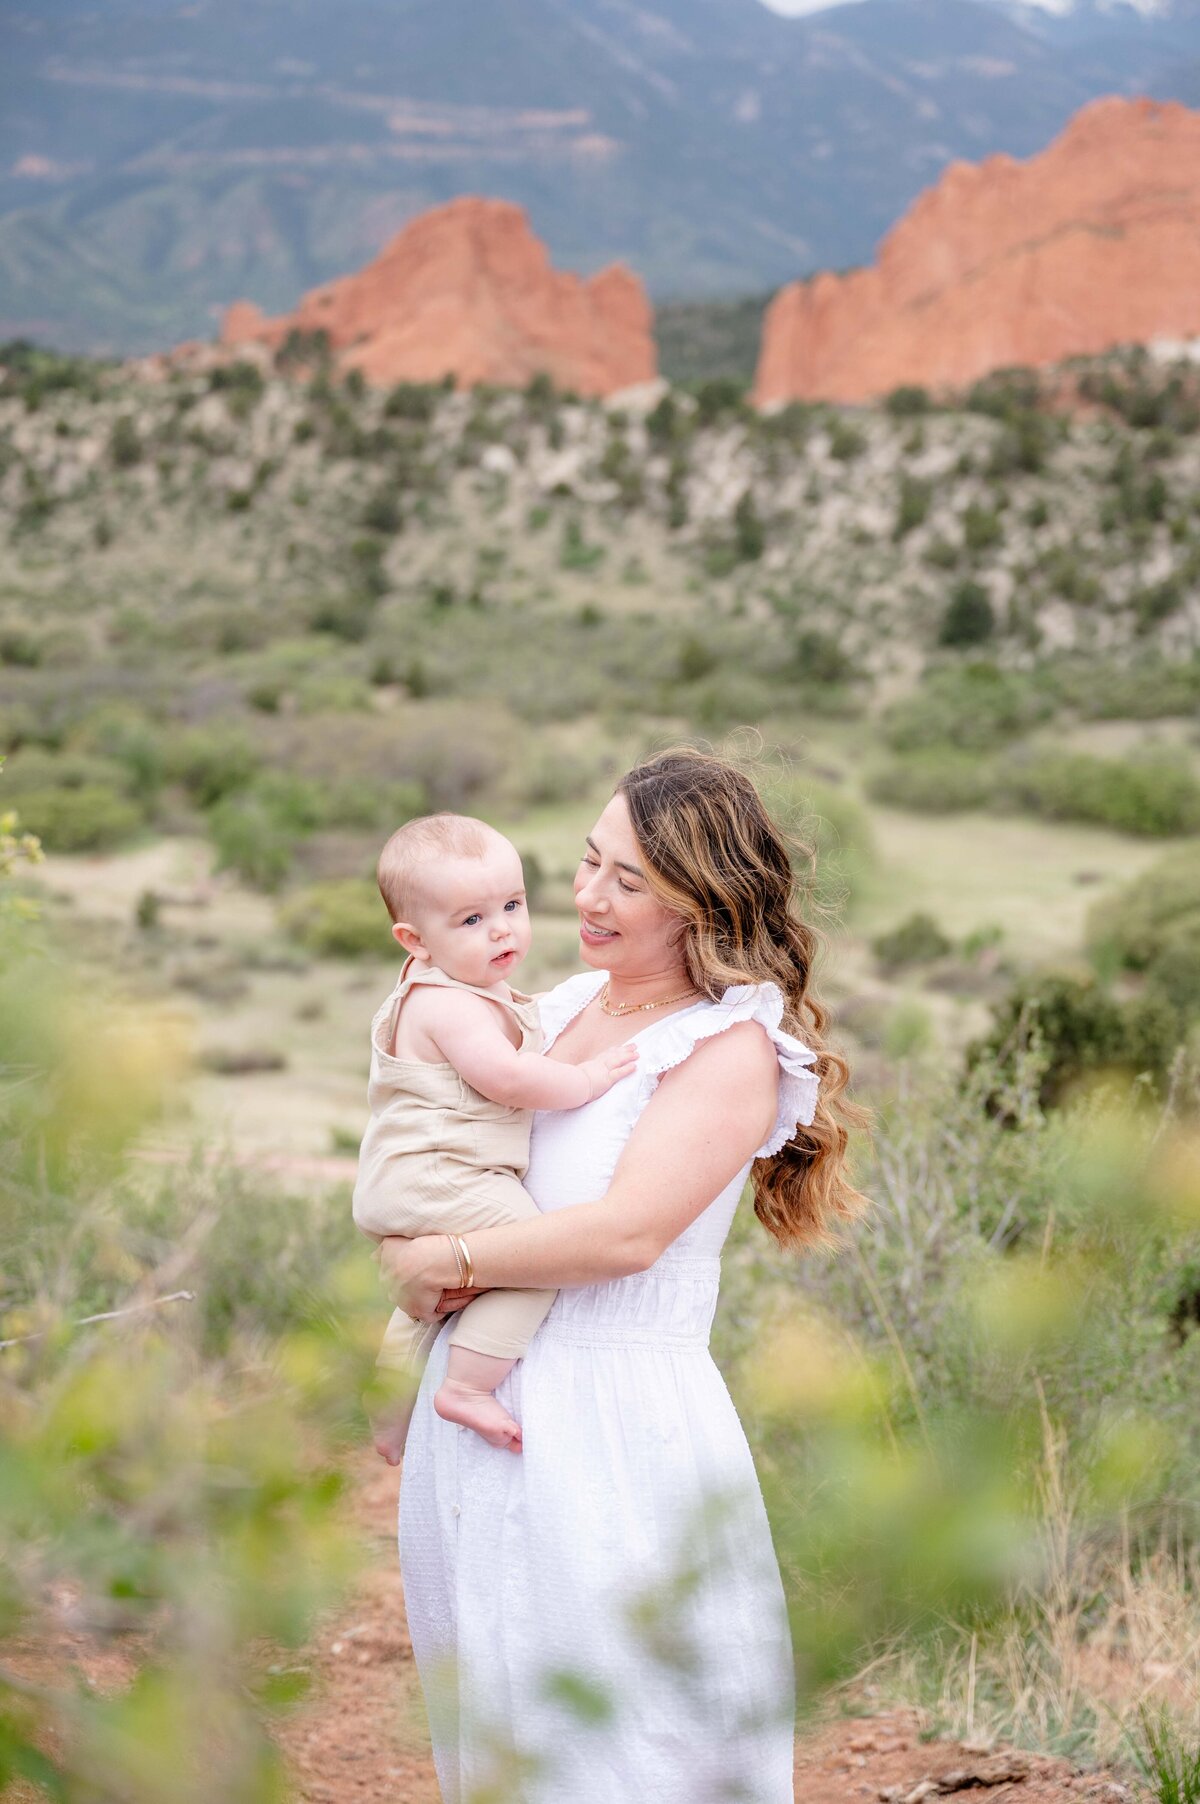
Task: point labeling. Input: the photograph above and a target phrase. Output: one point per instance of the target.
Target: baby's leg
(491, 1333)
(389, 1200)
(393, 1391)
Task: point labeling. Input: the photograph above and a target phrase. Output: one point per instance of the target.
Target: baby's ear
(407, 936)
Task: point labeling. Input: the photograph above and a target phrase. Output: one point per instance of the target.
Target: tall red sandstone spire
(1095, 242)
(468, 290)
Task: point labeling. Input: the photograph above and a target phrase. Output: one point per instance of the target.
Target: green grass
(1168, 1762)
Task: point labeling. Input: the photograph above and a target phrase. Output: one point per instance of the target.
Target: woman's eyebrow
(633, 869)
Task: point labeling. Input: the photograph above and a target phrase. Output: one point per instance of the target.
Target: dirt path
(360, 1738)
(330, 1169)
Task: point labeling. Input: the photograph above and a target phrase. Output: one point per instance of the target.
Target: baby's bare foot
(479, 1410)
(389, 1438)
(389, 1423)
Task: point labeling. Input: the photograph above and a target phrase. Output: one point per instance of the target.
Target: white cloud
(793, 8)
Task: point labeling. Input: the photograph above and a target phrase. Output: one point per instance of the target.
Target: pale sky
(795, 7)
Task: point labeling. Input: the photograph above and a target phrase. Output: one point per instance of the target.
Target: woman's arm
(706, 1119)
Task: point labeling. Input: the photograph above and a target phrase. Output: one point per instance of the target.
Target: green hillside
(282, 615)
(251, 531)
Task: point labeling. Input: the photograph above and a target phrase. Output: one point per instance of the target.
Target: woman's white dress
(600, 1619)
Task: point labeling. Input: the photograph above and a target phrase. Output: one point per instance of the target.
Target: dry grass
(1106, 1630)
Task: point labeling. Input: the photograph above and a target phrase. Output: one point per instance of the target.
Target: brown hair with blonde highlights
(716, 859)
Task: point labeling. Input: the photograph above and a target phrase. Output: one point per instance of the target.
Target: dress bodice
(574, 1152)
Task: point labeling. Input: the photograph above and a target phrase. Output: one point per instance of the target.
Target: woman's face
(623, 928)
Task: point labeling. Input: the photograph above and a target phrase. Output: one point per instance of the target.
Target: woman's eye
(593, 864)
(627, 887)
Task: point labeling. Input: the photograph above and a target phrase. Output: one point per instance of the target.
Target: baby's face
(472, 920)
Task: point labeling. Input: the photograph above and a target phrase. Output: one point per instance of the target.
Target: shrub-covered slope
(300, 607)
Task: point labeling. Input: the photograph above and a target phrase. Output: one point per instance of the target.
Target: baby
(456, 1070)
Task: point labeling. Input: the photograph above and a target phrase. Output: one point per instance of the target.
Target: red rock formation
(468, 290)
(1095, 242)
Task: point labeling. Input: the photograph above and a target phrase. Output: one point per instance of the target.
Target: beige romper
(438, 1156)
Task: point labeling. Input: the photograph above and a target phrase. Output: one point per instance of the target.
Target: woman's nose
(583, 895)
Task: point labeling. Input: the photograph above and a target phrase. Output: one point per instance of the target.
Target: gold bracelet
(456, 1247)
(469, 1280)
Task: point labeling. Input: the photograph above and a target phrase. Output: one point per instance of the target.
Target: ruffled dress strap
(558, 1007)
(671, 1041)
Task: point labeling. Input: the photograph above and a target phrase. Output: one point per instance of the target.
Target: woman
(601, 1621)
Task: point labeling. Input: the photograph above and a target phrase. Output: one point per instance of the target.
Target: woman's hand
(419, 1276)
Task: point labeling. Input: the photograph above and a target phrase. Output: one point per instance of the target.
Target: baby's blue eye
(471, 920)
(513, 904)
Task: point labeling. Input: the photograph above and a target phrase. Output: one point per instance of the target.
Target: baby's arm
(467, 1033)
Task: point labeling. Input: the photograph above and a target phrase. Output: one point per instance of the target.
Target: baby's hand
(608, 1069)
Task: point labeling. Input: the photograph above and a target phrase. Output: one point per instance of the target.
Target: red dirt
(360, 1736)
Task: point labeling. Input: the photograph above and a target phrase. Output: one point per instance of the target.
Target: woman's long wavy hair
(716, 859)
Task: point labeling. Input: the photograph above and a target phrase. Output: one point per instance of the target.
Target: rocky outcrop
(1095, 242)
(467, 290)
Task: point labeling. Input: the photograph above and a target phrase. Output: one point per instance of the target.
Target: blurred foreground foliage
(981, 1423)
(171, 1479)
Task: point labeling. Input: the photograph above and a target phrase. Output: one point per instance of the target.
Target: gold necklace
(636, 1008)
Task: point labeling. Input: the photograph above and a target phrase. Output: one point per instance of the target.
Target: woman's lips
(593, 936)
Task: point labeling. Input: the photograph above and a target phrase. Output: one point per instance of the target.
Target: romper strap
(522, 1008)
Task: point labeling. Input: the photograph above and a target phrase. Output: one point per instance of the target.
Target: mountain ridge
(716, 147)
